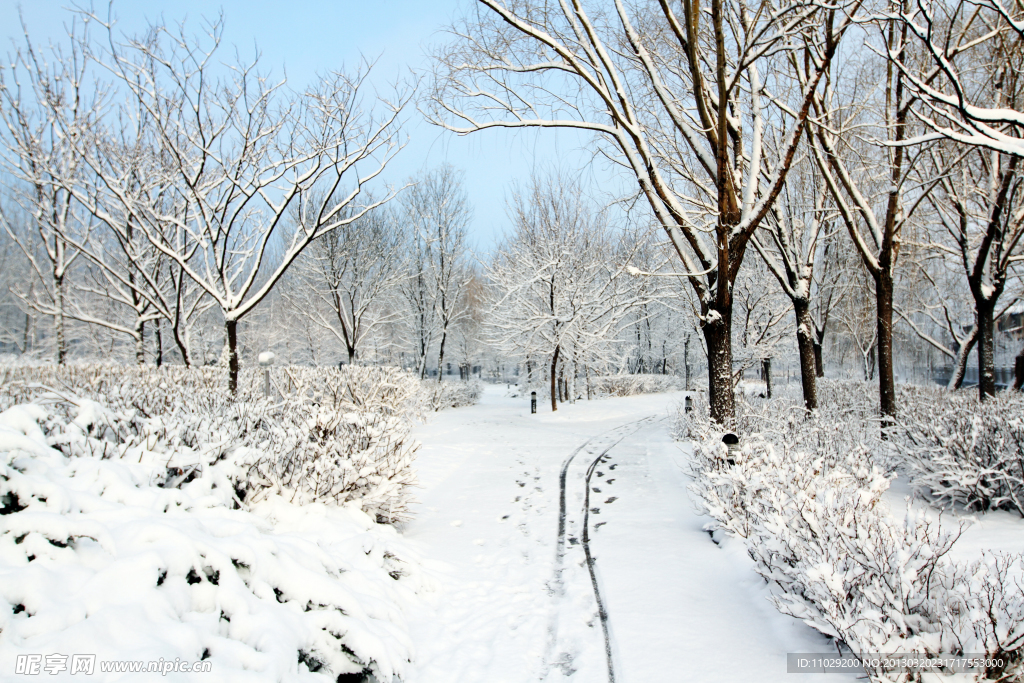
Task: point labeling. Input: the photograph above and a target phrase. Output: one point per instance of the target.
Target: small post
(688, 403)
(766, 374)
(732, 444)
(266, 359)
(533, 402)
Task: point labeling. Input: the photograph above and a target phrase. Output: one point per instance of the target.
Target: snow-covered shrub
(106, 555)
(984, 611)
(838, 560)
(634, 385)
(384, 390)
(804, 495)
(322, 454)
(328, 435)
(441, 395)
(958, 451)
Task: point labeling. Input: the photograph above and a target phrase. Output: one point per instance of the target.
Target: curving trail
(565, 547)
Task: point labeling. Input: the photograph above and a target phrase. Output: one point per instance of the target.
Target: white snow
(680, 607)
(472, 589)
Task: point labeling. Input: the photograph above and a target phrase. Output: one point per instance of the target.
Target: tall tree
(683, 96)
(235, 156)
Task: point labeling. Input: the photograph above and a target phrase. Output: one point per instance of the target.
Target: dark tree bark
(718, 336)
(159, 344)
(986, 351)
(554, 368)
(886, 374)
(231, 329)
(810, 353)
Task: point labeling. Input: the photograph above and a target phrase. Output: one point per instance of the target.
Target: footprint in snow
(521, 483)
(612, 467)
(600, 474)
(596, 510)
(504, 517)
(599, 525)
(595, 489)
(573, 540)
(610, 500)
(609, 481)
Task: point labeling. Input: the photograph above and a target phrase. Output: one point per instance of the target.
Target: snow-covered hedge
(804, 494)
(441, 395)
(958, 451)
(634, 385)
(818, 531)
(106, 550)
(324, 435)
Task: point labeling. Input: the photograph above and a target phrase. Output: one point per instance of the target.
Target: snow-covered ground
(508, 608)
(489, 582)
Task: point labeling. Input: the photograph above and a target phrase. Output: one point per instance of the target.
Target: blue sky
(307, 37)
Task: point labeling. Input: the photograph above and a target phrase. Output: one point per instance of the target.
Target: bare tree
(47, 109)
(234, 156)
(682, 104)
(346, 277)
(796, 235)
(980, 208)
(970, 89)
(557, 294)
(437, 209)
(865, 163)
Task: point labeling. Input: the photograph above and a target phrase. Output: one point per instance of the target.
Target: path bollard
(266, 359)
(732, 444)
(533, 402)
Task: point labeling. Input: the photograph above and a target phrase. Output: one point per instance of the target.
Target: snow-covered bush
(441, 395)
(804, 495)
(117, 557)
(633, 385)
(958, 451)
(329, 435)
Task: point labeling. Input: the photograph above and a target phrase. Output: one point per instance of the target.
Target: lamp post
(533, 402)
(266, 359)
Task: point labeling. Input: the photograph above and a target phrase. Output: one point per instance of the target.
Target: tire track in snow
(558, 584)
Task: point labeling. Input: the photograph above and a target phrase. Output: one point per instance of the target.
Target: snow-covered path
(511, 606)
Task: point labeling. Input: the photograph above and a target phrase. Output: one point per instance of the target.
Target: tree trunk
(180, 343)
(986, 355)
(28, 333)
(886, 376)
(686, 361)
(554, 366)
(819, 365)
(140, 340)
(159, 343)
(231, 328)
(58, 319)
(960, 365)
(440, 353)
(718, 335)
(1018, 371)
(810, 354)
(766, 373)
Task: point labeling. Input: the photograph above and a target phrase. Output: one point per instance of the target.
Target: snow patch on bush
(804, 494)
(106, 551)
(440, 395)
